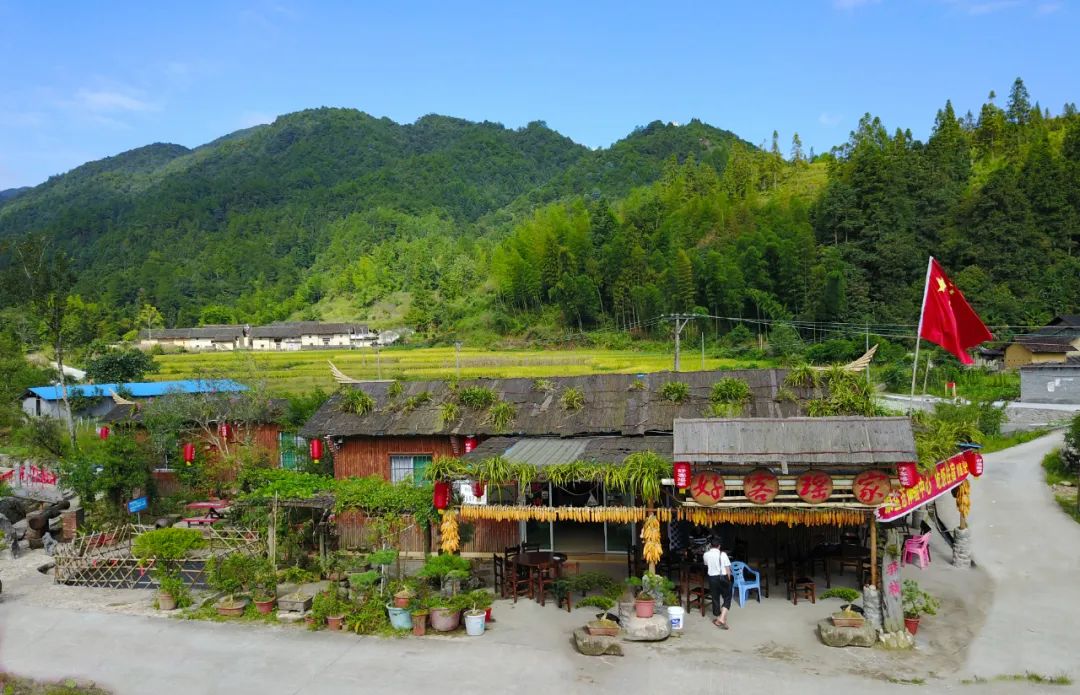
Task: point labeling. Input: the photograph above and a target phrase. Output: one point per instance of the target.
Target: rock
(13, 508)
(901, 639)
(872, 606)
(833, 636)
(596, 645)
(289, 616)
(654, 629)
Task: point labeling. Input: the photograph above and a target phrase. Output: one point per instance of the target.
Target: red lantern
(315, 449)
(761, 486)
(814, 487)
(103, 432)
(682, 474)
(189, 453)
(470, 443)
(707, 488)
(908, 473)
(974, 462)
(871, 487)
(478, 489)
(441, 495)
(225, 430)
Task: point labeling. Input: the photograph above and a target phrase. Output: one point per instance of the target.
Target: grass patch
(1056, 475)
(14, 685)
(209, 612)
(1027, 676)
(998, 442)
(1067, 503)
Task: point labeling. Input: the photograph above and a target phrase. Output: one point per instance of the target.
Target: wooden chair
(697, 588)
(851, 556)
(518, 582)
(530, 547)
(798, 584)
(566, 595)
(543, 582)
(498, 570)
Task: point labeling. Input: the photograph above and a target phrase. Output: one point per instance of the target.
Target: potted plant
(328, 606)
(917, 603)
(847, 617)
(264, 588)
(602, 625)
(475, 616)
(172, 592)
(419, 619)
(650, 590)
(231, 575)
(362, 584)
(481, 599)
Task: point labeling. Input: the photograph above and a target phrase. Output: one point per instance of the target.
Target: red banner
(947, 475)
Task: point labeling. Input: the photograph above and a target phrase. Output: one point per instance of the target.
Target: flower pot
(602, 627)
(487, 614)
(400, 619)
(644, 607)
(402, 598)
(474, 622)
(841, 620)
(419, 623)
(334, 622)
(265, 607)
(912, 625)
(444, 619)
(165, 601)
(309, 621)
(232, 609)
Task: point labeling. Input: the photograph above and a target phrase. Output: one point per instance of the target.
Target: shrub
(167, 544)
(176, 587)
(394, 389)
(675, 391)
(729, 397)
(415, 401)
(448, 413)
(545, 385)
(501, 415)
(233, 573)
(916, 601)
(602, 602)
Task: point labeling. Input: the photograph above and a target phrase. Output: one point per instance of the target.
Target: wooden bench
(201, 520)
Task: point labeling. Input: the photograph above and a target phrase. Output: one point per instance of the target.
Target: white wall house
(196, 339)
(311, 335)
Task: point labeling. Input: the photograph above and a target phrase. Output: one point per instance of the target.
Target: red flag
(947, 319)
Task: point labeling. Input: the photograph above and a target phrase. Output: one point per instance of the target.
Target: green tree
(1019, 107)
(120, 366)
(683, 299)
(150, 317)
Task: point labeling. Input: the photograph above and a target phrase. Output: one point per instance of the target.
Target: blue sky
(79, 81)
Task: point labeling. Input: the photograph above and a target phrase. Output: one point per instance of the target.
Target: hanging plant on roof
(477, 397)
(643, 471)
(675, 391)
(572, 399)
(356, 401)
(494, 469)
(446, 468)
(729, 397)
(501, 415)
(448, 414)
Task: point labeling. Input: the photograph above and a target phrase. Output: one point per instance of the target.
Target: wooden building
(1054, 342)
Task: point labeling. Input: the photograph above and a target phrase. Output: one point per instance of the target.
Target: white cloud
(106, 101)
(830, 120)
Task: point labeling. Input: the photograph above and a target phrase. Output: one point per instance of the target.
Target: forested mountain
(476, 230)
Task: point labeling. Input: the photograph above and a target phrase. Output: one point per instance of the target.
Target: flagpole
(918, 334)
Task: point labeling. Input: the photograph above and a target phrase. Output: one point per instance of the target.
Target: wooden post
(873, 550)
(894, 611)
(271, 538)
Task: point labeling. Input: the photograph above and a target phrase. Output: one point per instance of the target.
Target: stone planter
(295, 601)
(445, 620)
(603, 628)
(841, 620)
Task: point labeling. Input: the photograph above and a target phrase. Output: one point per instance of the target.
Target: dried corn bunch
(963, 498)
(616, 515)
(769, 517)
(650, 537)
(448, 530)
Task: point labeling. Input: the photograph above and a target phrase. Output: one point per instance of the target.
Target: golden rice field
(296, 372)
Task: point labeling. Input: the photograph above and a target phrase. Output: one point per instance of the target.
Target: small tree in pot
(232, 575)
(917, 603)
(847, 617)
(164, 550)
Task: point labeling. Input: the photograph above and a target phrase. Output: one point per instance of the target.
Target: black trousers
(720, 591)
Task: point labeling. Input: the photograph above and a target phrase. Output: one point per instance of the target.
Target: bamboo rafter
(856, 365)
(118, 399)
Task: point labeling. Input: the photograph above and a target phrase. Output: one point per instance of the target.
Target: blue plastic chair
(744, 585)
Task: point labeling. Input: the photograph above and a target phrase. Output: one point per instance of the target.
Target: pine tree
(796, 149)
(1019, 108)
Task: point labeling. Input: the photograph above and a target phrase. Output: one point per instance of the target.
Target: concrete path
(1031, 550)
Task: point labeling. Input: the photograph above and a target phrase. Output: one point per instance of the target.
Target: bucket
(474, 623)
(675, 614)
(400, 618)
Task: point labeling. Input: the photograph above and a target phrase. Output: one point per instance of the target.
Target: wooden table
(536, 561)
(213, 512)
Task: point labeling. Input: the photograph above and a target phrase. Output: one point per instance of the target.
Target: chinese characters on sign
(947, 475)
(814, 487)
(892, 578)
(761, 486)
(707, 488)
(871, 487)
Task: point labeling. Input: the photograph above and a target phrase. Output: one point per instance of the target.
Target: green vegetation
(729, 397)
(572, 399)
(15, 685)
(501, 415)
(477, 397)
(354, 400)
(1027, 676)
(675, 391)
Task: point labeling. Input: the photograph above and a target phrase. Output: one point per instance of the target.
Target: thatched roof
(548, 451)
(625, 404)
(800, 440)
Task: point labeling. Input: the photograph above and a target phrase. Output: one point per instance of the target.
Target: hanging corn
(448, 530)
(650, 537)
(963, 501)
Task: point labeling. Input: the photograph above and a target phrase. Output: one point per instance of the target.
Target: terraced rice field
(296, 372)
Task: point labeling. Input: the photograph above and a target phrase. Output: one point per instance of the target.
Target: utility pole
(457, 357)
(681, 320)
(702, 350)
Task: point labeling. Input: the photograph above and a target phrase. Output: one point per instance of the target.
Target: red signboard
(761, 486)
(707, 488)
(947, 475)
(871, 487)
(470, 444)
(814, 487)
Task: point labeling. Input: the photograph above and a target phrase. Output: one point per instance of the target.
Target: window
(406, 466)
(292, 450)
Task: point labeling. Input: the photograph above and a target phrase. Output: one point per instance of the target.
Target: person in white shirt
(719, 571)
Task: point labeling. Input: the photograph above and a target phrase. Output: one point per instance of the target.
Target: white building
(312, 335)
(195, 339)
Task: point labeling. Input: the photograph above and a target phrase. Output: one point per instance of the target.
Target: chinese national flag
(947, 318)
